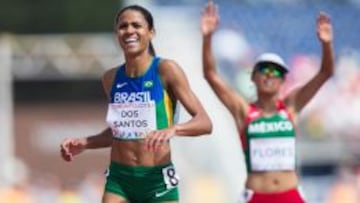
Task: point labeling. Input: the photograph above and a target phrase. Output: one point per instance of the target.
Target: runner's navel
(276, 181)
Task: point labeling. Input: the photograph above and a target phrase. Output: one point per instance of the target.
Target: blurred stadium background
(53, 54)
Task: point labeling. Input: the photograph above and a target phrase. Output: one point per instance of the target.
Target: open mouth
(131, 41)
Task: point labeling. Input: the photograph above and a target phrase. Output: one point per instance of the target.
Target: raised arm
(300, 97)
(235, 103)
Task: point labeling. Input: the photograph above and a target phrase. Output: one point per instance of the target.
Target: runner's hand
(157, 138)
(71, 147)
(324, 28)
(209, 19)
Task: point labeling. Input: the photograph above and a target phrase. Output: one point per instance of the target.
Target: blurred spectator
(346, 187)
(18, 190)
(69, 195)
(16, 194)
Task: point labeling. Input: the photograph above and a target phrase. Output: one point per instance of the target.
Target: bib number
(171, 178)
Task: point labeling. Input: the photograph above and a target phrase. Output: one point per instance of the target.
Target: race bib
(269, 154)
(171, 178)
(131, 121)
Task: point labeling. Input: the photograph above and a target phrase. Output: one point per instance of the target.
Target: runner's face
(268, 78)
(133, 32)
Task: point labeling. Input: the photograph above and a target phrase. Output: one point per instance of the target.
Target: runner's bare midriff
(134, 153)
(272, 182)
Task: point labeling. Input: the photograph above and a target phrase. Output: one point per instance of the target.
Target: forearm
(208, 57)
(327, 64)
(100, 140)
(198, 125)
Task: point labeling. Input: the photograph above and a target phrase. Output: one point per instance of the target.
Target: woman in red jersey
(267, 126)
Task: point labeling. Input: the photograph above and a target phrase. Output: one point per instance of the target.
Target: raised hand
(209, 19)
(72, 147)
(324, 28)
(157, 138)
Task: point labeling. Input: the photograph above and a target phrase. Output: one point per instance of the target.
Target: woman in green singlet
(267, 126)
(142, 94)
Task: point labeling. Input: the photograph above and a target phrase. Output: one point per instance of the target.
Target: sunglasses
(268, 68)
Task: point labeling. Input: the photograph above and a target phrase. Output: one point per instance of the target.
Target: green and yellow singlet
(139, 105)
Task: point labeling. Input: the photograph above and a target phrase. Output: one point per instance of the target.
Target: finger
(65, 156)
(159, 141)
(63, 149)
(154, 142)
(75, 142)
(318, 19)
(150, 140)
(147, 140)
(148, 143)
(323, 17)
(64, 142)
(65, 145)
(327, 18)
(209, 6)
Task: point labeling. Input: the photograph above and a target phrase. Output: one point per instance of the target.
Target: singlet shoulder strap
(116, 78)
(253, 113)
(280, 104)
(155, 64)
(282, 107)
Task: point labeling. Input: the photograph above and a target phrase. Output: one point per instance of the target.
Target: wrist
(85, 142)
(175, 129)
(207, 36)
(326, 44)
